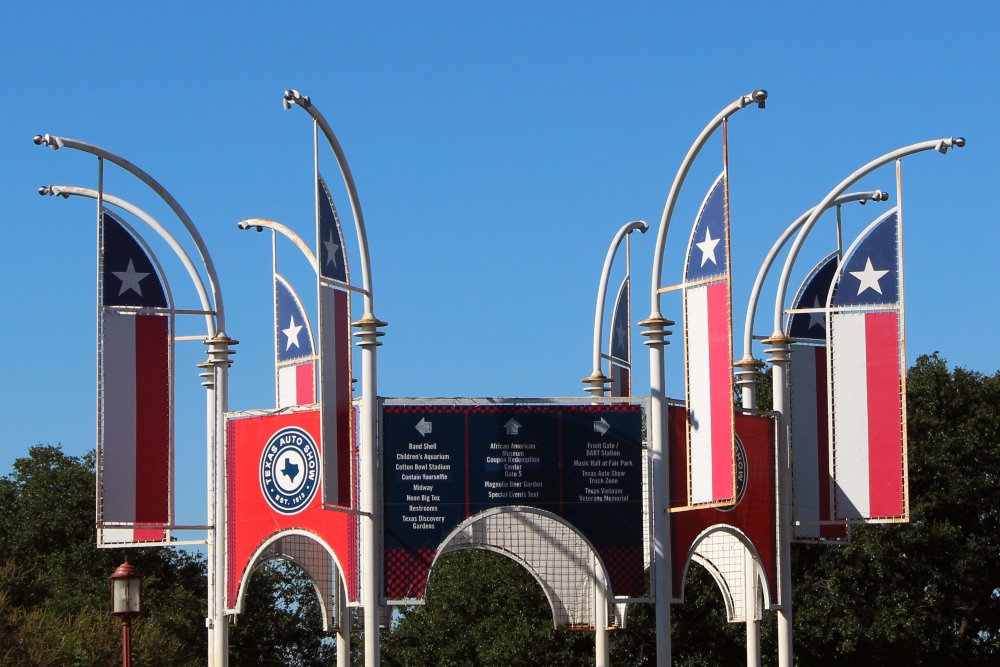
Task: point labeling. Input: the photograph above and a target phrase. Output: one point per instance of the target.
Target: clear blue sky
(497, 148)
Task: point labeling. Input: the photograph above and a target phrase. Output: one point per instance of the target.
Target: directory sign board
(447, 461)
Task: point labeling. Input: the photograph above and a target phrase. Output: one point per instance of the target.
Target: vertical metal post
(750, 594)
(274, 297)
(840, 236)
(126, 641)
(780, 360)
(218, 352)
(344, 630)
(601, 658)
(747, 378)
(371, 492)
(208, 372)
(658, 448)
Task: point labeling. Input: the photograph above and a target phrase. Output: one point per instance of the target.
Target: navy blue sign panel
(707, 251)
(129, 276)
(620, 326)
(294, 335)
(869, 274)
(331, 256)
(812, 294)
(448, 462)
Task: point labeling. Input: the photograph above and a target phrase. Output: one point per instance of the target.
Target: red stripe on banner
(305, 384)
(720, 359)
(885, 406)
(342, 327)
(152, 421)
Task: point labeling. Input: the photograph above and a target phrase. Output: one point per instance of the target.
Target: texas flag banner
(708, 351)
(334, 350)
(295, 356)
(867, 378)
(621, 343)
(812, 510)
(135, 416)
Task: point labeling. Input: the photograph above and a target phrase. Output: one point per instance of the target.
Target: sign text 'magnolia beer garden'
(449, 461)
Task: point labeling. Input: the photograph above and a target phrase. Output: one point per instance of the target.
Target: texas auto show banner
(275, 468)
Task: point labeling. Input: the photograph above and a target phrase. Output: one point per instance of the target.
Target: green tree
(926, 592)
(482, 610)
(282, 622)
(54, 581)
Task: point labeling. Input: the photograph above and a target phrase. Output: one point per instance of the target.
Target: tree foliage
(54, 581)
(282, 623)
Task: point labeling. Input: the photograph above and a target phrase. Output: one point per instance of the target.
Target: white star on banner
(130, 279)
(869, 278)
(817, 318)
(621, 331)
(292, 333)
(331, 250)
(707, 247)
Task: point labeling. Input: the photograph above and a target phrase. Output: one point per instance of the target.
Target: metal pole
(371, 491)
(597, 379)
(344, 629)
(750, 594)
(218, 352)
(126, 641)
(601, 658)
(779, 351)
(371, 552)
(656, 333)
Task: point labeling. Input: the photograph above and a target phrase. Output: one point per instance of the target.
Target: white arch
(324, 582)
(724, 550)
(563, 562)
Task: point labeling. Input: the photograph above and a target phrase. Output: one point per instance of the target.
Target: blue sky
(497, 149)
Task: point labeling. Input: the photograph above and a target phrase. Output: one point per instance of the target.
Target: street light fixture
(126, 588)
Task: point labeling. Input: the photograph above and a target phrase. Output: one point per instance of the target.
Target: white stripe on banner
(805, 441)
(699, 395)
(287, 386)
(849, 384)
(119, 456)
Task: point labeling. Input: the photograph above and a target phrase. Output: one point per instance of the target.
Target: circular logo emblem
(741, 475)
(289, 470)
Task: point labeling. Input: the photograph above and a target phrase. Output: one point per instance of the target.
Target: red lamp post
(126, 583)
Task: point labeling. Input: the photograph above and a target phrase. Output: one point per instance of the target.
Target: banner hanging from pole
(867, 378)
(812, 507)
(335, 375)
(708, 355)
(620, 349)
(135, 392)
(295, 355)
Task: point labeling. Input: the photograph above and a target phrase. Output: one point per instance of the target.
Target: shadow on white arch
(725, 551)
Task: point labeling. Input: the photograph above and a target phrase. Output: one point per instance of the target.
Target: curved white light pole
(597, 379)
(261, 223)
(371, 486)
(65, 191)
(780, 359)
(216, 385)
(750, 365)
(656, 333)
